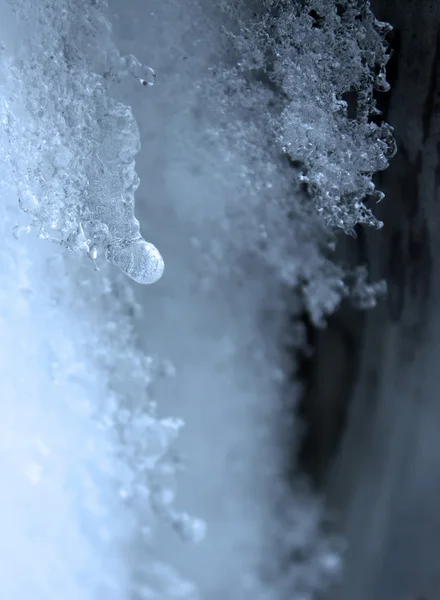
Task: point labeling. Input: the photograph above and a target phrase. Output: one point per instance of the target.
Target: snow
(94, 502)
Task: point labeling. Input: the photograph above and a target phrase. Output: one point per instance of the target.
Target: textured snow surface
(84, 464)
(84, 458)
(302, 60)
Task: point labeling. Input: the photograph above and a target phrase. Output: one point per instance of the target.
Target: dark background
(372, 402)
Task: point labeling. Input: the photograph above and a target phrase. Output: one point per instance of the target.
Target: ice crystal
(74, 144)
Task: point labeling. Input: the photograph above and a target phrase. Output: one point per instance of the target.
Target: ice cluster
(285, 160)
(86, 462)
(74, 144)
(323, 59)
(289, 110)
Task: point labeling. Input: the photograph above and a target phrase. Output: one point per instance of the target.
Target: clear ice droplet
(140, 260)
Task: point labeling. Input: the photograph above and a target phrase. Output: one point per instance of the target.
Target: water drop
(140, 260)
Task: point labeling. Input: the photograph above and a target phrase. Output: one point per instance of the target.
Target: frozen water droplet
(145, 74)
(140, 260)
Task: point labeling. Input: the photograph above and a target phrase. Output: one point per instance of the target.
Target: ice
(145, 74)
(316, 53)
(139, 260)
(80, 443)
(249, 164)
(75, 144)
(245, 251)
(246, 245)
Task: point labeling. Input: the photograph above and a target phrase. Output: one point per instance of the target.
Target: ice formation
(253, 142)
(74, 145)
(85, 460)
(81, 451)
(246, 251)
(312, 55)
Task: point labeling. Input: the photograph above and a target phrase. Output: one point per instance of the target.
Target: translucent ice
(316, 54)
(72, 144)
(139, 260)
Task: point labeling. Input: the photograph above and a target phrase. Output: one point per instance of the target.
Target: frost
(81, 444)
(73, 145)
(133, 67)
(294, 162)
(315, 54)
(190, 528)
(264, 161)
